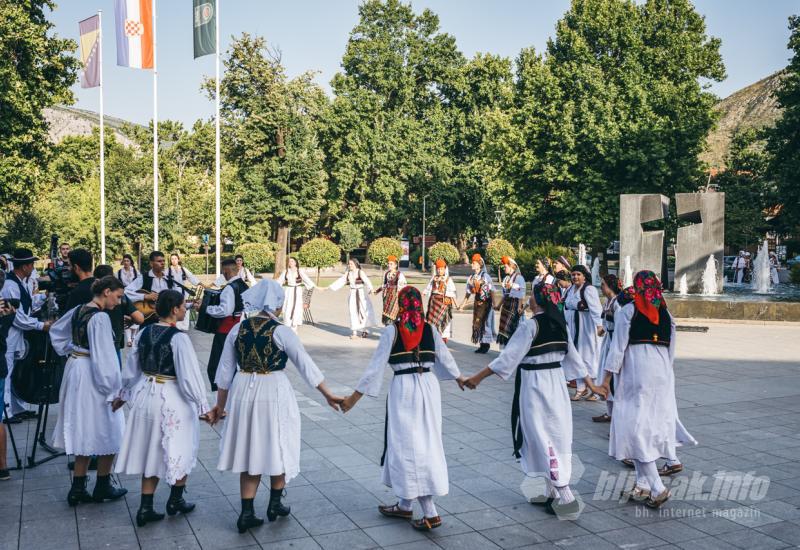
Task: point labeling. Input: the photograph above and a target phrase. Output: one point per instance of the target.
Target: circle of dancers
(256, 339)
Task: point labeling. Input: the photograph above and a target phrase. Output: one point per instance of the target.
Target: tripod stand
(13, 441)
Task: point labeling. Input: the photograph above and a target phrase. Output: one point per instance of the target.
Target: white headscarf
(267, 295)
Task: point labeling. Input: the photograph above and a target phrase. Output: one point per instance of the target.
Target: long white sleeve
(444, 367)
(338, 283)
(367, 283)
(517, 347)
(289, 342)
(622, 329)
(61, 333)
(307, 280)
(573, 365)
(227, 301)
(131, 370)
(103, 354)
(227, 361)
(132, 290)
(672, 339)
(191, 277)
(401, 282)
(372, 379)
(450, 289)
(594, 305)
(429, 287)
(22, 320)
(190, 380)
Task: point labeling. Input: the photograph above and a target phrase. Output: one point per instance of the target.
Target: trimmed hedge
(382, 248)
(496, 250)
(527, 258)
(319, 253)
(446, 251)
(259, 257)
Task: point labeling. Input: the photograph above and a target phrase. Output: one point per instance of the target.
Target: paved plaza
(738, 389)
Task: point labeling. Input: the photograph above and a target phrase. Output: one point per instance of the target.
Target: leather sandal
(628, 462)
(636, 494)
(426, 524)
(580, 395)
(602, 418)
(593, 397)
(667, 470)
(659, 500)
(394, 511)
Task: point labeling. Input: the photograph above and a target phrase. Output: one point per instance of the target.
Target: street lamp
(424, 199)
(498, 214)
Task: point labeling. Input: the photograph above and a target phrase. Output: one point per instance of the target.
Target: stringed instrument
(147, 307)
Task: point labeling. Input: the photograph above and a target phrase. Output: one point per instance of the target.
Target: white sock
(641, 481)
(551, 489)
(580, 384)
(650, 472)
(673, 462)
(565, 495)
(428, 507)
(609, 407)
(405, 504)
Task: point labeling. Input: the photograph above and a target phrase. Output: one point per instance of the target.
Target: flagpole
(102, 142)
(217, 224)
(155, 130)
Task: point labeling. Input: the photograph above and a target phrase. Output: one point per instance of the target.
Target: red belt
(227, 323)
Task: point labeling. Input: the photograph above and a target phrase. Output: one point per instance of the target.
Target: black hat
(23, 256)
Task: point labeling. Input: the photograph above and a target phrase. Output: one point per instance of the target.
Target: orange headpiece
(392, 258)
(477, 258)
(441, 263)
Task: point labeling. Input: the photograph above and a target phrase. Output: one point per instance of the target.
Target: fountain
(582, 254)
(683, 286)
(627, 273)
(596, 272)
(762, 283)
(710, 277)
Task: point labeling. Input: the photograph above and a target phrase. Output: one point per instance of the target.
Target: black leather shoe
(247, 520)
(78, 493)
(275, 508)
(147, 515)
(105, 490)
(179, 505)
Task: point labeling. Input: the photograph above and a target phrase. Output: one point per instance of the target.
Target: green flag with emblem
(205, 21)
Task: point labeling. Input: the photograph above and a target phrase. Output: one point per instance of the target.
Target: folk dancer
(585, 325)
(362, 314)
(261, 435)
(645, 424)
(442, 296)
(544, 272)
(89, 420)
(124, 310)
(163, 383)
(479, 284)
(413, 463)
(179, 274)
(127, 274)
(230, 310)
(295, 283)
(16, 294)
(610, 287)
(393, 282)
(542, 355)
(7, 313)
(511, 306)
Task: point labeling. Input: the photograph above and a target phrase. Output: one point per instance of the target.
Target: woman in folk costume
(183, 276)
(127, 274)
(541, 416)
(89, 422)
(442, 292)
(393, 282)
(583, 313)
(296, 283)
(163, 382)
(512, 306)
(544, 272)
(479, 284)
(413, 463)
(610, 287)
(261, 435)
(645, 424)
(362, 315)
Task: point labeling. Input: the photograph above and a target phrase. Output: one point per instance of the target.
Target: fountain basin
(739, 302)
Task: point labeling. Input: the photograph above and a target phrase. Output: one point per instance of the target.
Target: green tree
(271, 137)
(350, 236)
(783, 142)
(319, 253)
(37, 69)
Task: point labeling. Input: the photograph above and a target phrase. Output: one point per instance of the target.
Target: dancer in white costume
(127, 274)
(413, 463)
(583, 313)
(295, 283)
(261, 435)
(89, 422)
(610, 288)
(179, 274)
(541, 416)
(163, 382)
(362, 314)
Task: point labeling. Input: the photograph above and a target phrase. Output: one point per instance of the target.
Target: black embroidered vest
(155, 350)
(80, 325)
(238, 286)
(256, 350)
(550, 336)
(147, 281)
(644, 332)
(424, 353)
(25, 299)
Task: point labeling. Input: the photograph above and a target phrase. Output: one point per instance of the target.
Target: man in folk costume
(442, 292)
(479, 284)
(261, 435)
(229, 310)
(610, 287)
(296, 282)
(541, 416)
(89, 420)
(393, 282)
(15, 292)
(147, 285)
(413, 463)
(645, 424)
(585, 325)
(512, 305)
(163, 382)
(362, 315)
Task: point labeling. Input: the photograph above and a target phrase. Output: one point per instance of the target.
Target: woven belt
(412, 370)
(77, 354)
(160, 378)
(259, 373)
(540, 366)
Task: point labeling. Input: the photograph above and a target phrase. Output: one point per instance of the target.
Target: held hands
(47, 325)
(461, 381)
(335, 402)
(472, 382)
(350, 402)
(117, 404)
(600, 331)
(214, 415)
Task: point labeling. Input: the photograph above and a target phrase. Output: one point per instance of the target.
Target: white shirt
(244, 274)
(127, 276)
(227, 302)
(22, 321)
(159, 284)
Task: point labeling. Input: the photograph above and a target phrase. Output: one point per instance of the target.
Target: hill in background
(69, 121)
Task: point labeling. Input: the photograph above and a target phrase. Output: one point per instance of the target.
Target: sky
(312, 34)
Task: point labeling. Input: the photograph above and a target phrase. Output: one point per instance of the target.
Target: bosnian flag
(90, 56)
(134, 33)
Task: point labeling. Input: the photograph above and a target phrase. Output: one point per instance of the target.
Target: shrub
(319, 253)
(527, 258)
(446, 251)
(259, 257)
(496, 250)
(196, 263)
(795, 274)
(381, 248)
(350, 236)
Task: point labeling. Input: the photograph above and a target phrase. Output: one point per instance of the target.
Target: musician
(176, 272)
(87, 422)
(147, 285)
(7, 312)
(16, 292)
(80, 261)
(229, 310)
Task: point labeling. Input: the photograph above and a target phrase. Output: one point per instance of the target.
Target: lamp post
(424, 199)
(498, 214)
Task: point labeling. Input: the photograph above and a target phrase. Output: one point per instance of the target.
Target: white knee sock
(609, 407)
(673, 462)
(565, 495)
(550, 490)
(649, 471)
(405, 504)
(641, 481)
(428, 507)
(580, 384)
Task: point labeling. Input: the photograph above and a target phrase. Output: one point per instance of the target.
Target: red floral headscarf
(649, 300)
(410, 320)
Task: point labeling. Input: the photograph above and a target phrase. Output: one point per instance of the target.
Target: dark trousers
(213, 359)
